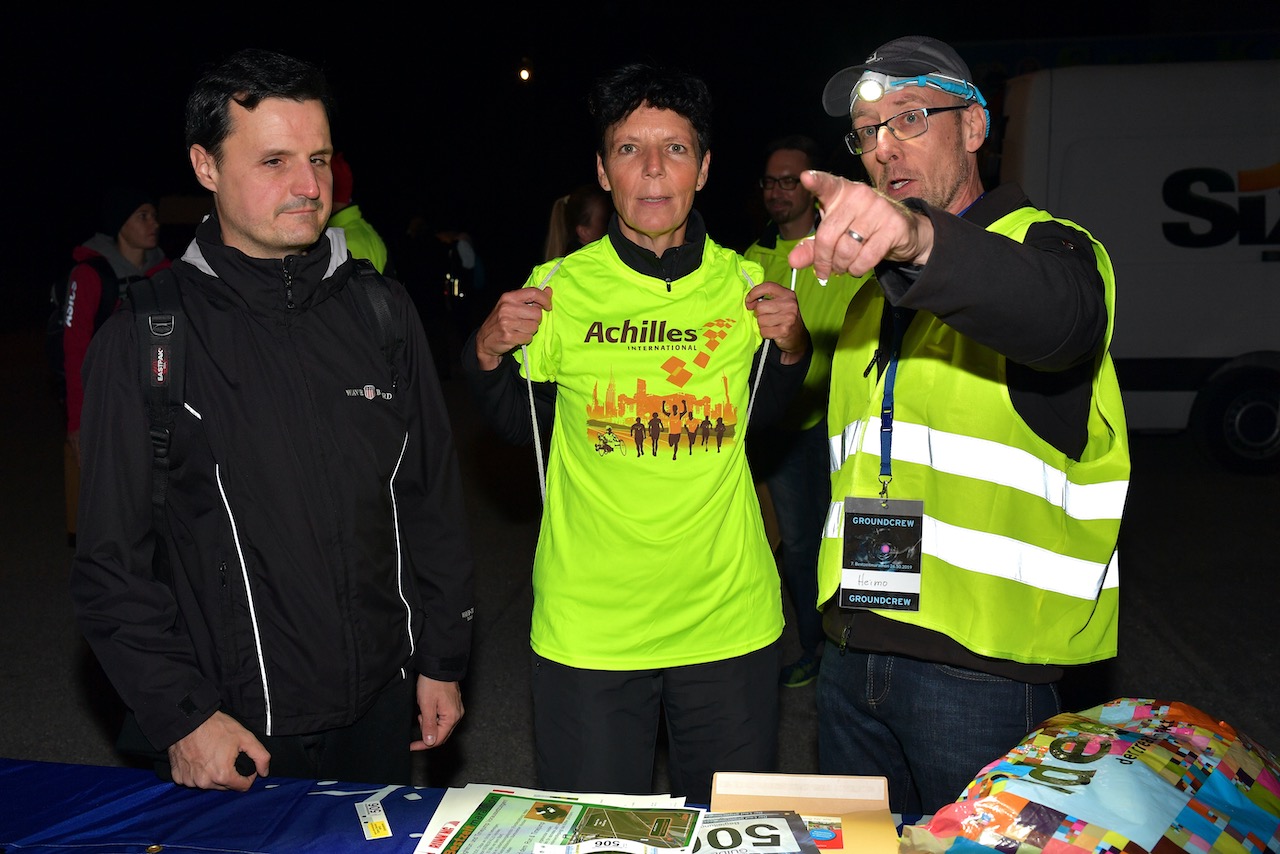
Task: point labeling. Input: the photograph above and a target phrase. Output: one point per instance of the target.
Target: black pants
(596, 730)
(374, 749)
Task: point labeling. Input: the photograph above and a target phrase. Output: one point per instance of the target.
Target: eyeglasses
(787, 182)
(907, 125)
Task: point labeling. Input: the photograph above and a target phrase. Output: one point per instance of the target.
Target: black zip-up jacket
(318, 544)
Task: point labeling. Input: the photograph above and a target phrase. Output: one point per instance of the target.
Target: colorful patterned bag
(1133, 776)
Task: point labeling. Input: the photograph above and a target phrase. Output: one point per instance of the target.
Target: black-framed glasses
(905, 125)
(786, 182)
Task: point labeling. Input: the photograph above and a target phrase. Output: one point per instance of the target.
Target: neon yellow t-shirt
(649, 558)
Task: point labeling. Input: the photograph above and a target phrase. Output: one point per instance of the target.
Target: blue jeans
(928, 728)
(797, 471)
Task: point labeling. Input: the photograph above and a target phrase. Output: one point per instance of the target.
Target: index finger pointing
(825, 185)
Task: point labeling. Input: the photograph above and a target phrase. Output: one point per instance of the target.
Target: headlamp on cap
(873, 86)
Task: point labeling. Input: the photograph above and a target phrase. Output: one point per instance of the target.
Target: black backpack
(157, 309)
(56, 323)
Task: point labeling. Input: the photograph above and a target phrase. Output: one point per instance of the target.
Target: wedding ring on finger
(858, 237)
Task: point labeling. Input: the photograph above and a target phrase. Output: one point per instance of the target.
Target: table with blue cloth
(52, 807)
(48, 807)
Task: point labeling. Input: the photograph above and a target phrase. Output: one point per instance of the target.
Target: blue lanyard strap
(901, 318)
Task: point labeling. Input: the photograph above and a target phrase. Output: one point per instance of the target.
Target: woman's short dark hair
(248, 77)
(620, 92)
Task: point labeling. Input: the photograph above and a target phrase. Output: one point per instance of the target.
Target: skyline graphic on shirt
(701, 420)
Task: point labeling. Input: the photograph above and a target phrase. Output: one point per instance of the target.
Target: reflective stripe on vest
(1002, 465)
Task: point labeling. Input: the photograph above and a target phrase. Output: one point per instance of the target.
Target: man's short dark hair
(620, 92)
(797, 142)
(248, 77)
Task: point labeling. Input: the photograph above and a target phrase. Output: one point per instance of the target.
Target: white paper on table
(459, 803)
(625, 846)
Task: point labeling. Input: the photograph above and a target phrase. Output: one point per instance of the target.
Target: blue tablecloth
(52, 807)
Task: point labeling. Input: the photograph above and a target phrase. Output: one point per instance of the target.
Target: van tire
(1236, 420)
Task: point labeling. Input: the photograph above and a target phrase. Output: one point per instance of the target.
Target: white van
(1175, 168)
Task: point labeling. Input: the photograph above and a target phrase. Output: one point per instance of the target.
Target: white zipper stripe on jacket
(395, 519)
(983, 459)
(248, 593)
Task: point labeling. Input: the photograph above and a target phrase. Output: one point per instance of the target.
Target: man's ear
(205, 167)
(975, 127)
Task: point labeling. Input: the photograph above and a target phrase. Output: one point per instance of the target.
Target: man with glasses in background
(791, 457)
(978, 447)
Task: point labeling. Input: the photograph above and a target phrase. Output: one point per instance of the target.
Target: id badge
(881, 560)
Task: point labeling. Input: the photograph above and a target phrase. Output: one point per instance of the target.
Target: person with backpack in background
(125, 248)
(281, 579)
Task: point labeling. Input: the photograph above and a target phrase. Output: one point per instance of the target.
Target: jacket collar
(675, 263)
(264, 284)
(993, 204)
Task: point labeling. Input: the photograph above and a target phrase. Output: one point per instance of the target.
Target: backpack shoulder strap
(377, 292)
(110, 289)
(161, 331)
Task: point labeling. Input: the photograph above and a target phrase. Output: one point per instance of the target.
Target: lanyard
(900, 320)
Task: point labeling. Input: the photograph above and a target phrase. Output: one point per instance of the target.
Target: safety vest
(1018, 540)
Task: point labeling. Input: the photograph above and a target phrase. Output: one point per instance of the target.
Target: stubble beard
(945, 194)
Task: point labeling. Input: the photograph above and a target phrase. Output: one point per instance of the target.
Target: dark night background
(431, 114)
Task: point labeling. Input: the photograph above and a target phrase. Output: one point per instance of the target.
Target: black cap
(909, 56)
(118, 204)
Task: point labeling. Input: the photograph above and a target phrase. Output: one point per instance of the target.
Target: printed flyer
(513, 824)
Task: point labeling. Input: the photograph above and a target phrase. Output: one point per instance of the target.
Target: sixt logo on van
(1199, 193)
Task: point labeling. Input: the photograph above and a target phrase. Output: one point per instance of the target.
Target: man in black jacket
(317, 571)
